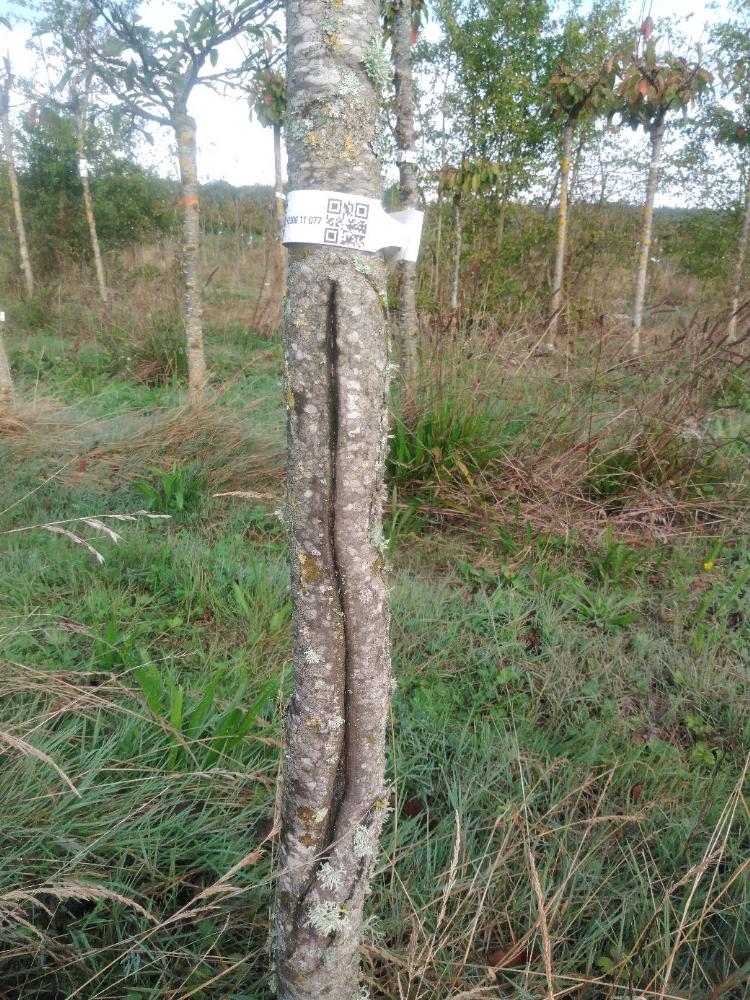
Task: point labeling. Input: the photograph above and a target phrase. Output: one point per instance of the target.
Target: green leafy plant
(177, 490)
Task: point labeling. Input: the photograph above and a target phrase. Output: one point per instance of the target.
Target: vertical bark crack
(334, 418)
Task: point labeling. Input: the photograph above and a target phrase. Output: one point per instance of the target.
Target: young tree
(7, 395)
(652, 87)
(402, 21)
(503, 51)
(732, 42)
(80, 103)
(333, 800)
(152, 74)
(268, 104)
(7, 133)
(581, 89)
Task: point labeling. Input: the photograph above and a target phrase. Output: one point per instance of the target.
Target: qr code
(346, 223)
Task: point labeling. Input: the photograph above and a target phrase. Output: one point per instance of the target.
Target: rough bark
(88, 204)
(408, 324)
(333, 799)
(739, 274)
(15, 195)
(184, 127)
(556, 305)
(657, 136)
(7, 395)
(456, 279)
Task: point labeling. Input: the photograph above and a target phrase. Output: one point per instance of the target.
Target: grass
(571, 727)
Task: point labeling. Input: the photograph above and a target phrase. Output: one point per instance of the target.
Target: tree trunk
(333, 799)
(7, 395)
(278, 182)
(279, 209)
(657, 135)
(408, 324)
(556, 324)
(184, 127)
(456, 280)
(87, 202)
(15, 196)
(740, 269)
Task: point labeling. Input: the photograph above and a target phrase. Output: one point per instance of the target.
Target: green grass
(571, 721)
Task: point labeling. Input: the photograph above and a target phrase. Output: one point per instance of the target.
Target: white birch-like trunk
(556, 305)
(334, 798)
(88, 204)
(739, 274)
(15, 196)
(184, 127)
(644, 255)
(408, 324)
(456, 279)
(278, 182)
(7, 394)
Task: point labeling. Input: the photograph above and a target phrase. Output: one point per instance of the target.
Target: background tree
(581, 89)
(503, 51)
(7, 394)
(651, 87)
(732, 44)
(7, 132)
(402, 21)
(334, 798)
(152, 74)
(268, 104)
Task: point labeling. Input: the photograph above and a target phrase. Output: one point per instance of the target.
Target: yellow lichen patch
(310, 568)
(350, 151)
(289, 399)
(378, 565)
(307, 815)
(314, 140)
(314, 725)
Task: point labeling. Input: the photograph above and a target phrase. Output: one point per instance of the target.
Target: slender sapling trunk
(15, 195)
(7, 394)
(88, 204)
(408, 324)
(657, 136)
(456, 279)
(333, 799)
(184, 127)
(739, 274)
(556, 306)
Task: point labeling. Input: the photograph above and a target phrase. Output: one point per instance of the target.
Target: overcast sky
(234, 149)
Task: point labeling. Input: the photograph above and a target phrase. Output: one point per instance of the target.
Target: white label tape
(2, 317)
(334, 218)
(83, 168)
(406, 156)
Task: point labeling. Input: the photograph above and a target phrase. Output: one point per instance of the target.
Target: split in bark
(184, 128)
(15, 195)
(408, 323)
(657, 136)
(88, 204)
(556, 309)
(333, 799)
(739, 273)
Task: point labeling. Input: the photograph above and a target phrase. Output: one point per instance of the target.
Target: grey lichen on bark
(656, 132)
(184, 129)
(334, 799)
(408, 324)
